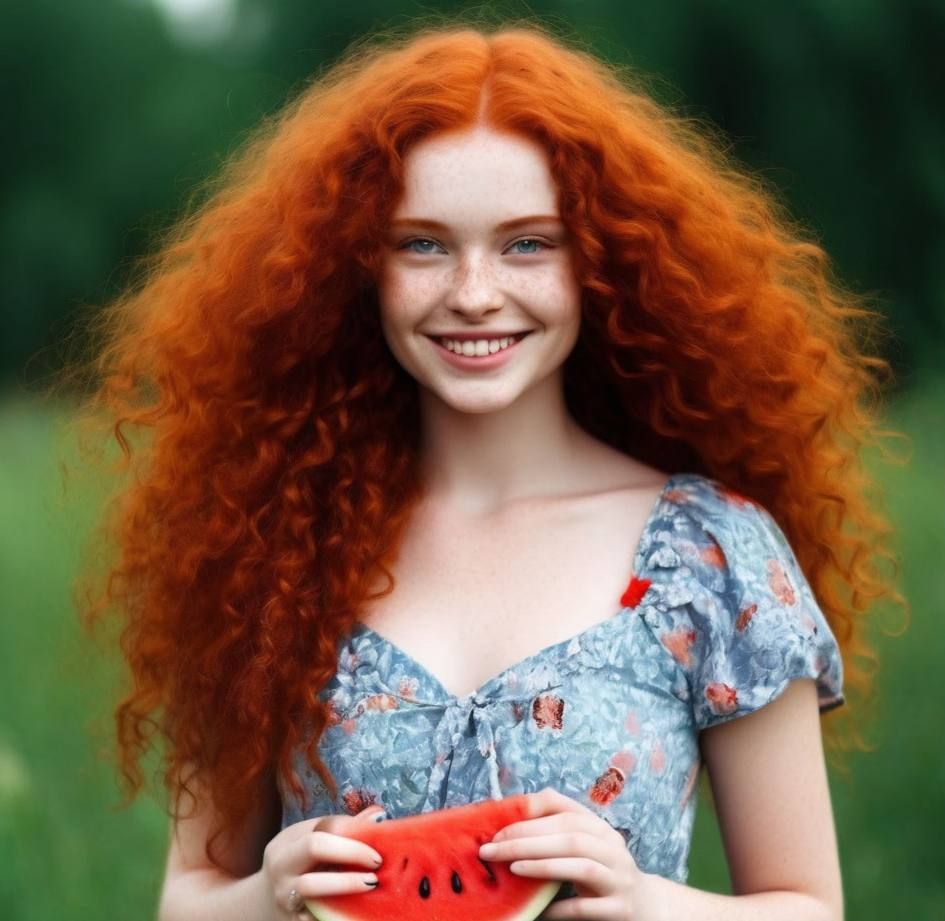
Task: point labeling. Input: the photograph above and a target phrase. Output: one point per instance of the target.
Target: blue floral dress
(716, 620)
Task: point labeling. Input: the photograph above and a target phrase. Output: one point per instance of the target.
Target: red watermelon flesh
(432, 870)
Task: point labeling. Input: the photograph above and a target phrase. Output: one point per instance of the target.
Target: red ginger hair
(282, 462)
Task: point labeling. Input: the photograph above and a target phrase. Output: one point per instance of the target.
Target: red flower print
(713, 555)
(548, 711)
(634, 592)
(349, 726)
(356, 800)
(624, 761)
(631, 723)
(609, 785)
(779, 582)
(679, 642)
(722, 698)
(657, 758)
(676, 495)
(440, 757)
(734, 497)
(408, 687)
(380, 702)
(744, 617)
(334, 717)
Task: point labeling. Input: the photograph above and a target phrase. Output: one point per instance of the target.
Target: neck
(477, 462)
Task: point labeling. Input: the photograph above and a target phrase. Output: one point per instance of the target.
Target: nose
(475, 289)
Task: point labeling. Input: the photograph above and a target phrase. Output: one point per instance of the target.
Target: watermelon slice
(432, 870)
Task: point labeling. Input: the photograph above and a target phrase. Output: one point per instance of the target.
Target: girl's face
(476, 251)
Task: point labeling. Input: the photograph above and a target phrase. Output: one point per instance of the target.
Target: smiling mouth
(459, 347)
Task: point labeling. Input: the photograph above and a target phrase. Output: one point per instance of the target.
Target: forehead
(479, 173)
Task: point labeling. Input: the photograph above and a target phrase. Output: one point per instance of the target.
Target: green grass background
(69, 852)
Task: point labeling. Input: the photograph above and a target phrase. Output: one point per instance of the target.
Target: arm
(263, 865)
(769, 783)
(196, 890)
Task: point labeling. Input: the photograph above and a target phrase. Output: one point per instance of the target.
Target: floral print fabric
(716, 620)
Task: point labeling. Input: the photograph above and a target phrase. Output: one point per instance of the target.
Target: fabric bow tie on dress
(465, 737)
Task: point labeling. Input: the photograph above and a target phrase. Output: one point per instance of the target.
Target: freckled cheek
(401, 295)
(554, 298)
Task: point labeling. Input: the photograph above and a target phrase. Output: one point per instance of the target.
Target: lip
(474, 363)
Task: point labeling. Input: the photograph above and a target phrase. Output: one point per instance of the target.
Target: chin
(476, 407)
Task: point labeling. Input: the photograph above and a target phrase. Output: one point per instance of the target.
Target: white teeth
(478, 346)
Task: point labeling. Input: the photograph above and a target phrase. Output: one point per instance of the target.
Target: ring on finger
(295, 901)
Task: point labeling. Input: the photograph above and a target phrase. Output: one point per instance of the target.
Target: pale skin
(501, 455)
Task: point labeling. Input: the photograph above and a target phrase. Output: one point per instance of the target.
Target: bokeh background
(114, 111)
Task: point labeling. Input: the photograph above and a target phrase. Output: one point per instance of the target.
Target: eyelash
(408, 243)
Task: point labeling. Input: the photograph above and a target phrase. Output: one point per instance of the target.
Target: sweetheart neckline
(618, 616)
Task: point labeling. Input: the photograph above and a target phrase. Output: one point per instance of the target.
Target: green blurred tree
(113, 121)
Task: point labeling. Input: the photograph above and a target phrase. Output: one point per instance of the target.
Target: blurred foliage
(114, 115)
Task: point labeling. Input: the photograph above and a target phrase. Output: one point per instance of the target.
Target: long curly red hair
(281, 457)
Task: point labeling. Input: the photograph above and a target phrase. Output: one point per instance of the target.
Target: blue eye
(410, 243)
(529, 240)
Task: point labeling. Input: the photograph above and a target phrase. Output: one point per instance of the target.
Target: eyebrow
(505, 225)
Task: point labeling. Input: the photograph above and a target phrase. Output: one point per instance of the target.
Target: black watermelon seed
(367, 882)
(425, 888)
(457, 882)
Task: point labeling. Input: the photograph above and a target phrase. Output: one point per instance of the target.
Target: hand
(565, 840)
(292, 861)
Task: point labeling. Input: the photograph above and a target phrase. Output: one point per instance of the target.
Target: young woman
(505, 439)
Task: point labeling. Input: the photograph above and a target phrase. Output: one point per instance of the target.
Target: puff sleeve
(756, 624)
